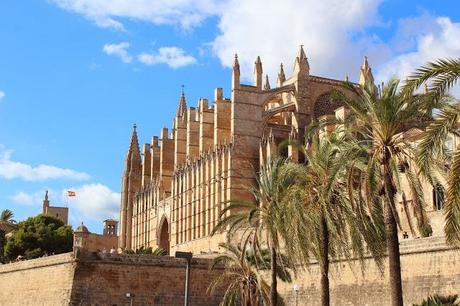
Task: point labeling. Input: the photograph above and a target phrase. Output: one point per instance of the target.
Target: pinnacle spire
(258, 73)
(236, 64)
(365, 77)
(134, 144)
(182, 107)
(46, 195)
(281, 75)
(301, 63)
(267, 83)
(302, 53)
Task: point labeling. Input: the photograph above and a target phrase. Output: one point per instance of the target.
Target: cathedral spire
(236, 72)
(366, 79)
(182, 108)
(267, 83)
(134, 151)
(281, 76)
(301, 65)
(258, 73)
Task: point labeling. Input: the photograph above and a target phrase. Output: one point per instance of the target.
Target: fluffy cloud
(120, 50)
(2, 95)
(24, 198)
(10, 169)
(274, 30)
(108, 14)
(432, 37)
(172, 56)
(93, 202)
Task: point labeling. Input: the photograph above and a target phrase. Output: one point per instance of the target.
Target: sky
(76, 74)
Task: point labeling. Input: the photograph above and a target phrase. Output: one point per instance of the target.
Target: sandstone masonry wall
(104, 279)
(45, 281)
(428, 267)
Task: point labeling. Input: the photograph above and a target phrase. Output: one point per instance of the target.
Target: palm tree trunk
(273, 292)
(392, 237)
(324, 262)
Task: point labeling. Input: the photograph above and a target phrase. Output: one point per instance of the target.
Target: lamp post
(296, 292)
(130, 297)
(187, 256)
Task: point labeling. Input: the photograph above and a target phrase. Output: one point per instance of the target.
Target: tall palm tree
(7, 216)
(382, 118)
(245, 286)
(321, 221)
(260, 219)
(442, 76)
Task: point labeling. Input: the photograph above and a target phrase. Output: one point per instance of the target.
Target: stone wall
(104, 279)
(428, 267)
(45, 281)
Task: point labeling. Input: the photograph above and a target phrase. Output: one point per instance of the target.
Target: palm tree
(260, 219)
(320, 220)
(439, 300)
(245, 286)
(442, 76)
(7, 216)
(382, 118)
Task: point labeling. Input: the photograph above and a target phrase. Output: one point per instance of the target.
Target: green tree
(38, 236)
(382, 117)
(321, 221)
(439, 300)
(260, 218)
(442, 75)
(245, 286)
(7, 216)
(2, 245)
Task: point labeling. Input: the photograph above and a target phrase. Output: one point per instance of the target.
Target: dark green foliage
(2, 245)
(147, 251)
(38, 236)
(439, 300)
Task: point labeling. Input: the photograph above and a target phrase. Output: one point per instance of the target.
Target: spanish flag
(71, 193)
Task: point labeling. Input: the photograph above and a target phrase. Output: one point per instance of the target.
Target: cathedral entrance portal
(164, 235)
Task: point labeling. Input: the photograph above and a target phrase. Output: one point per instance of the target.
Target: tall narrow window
(438, 197)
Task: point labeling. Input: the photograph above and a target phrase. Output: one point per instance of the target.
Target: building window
(438, 197)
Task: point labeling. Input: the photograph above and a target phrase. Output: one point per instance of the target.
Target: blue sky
(76, 74)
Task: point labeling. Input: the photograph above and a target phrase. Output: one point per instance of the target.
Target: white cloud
(433, 37)
(120, 50)
(2, 95)
(329, 30)
(24, 198)
(10, 169)
(174, 57)
(108, 14)
(95, 202)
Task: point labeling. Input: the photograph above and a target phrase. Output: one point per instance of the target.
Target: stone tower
(131, 183)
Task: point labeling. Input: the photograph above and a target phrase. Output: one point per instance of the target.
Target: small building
(55, 211)
(91, 242)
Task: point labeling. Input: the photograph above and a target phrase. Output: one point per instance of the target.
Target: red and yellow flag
(71, 193)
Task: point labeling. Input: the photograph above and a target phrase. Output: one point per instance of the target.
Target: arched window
(438, 197)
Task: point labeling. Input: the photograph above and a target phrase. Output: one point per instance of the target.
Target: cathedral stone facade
(174, 190)
(175, 187)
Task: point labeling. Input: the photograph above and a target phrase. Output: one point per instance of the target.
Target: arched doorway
(164, 235)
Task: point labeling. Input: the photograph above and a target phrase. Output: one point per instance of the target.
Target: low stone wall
(428, 265)
(44, 281)
(155, 281)
(104, 279)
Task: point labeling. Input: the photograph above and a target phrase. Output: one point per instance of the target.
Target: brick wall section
(104, 280)
(155, 281)
(428, 267)
(40, 282)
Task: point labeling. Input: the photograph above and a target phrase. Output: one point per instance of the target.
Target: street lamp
(130, 297)
(187, 256)
(296, 292)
